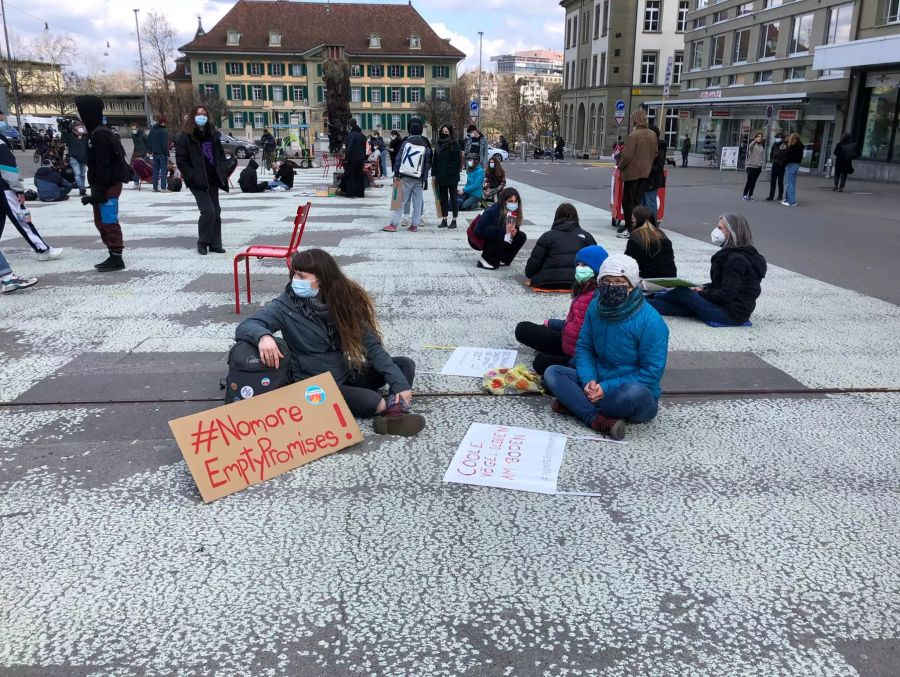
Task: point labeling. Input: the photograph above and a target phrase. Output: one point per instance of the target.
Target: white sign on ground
(729, 157)
(508, 457)
(469, 361)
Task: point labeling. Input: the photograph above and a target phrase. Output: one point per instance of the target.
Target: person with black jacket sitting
(248, 179)
(649, 246)
(552, 261)
(286, 173)
(736, 271)
(500, 227)
(50, 184)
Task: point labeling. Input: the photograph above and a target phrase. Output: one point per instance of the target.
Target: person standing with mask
(140, 141)
(106, 164)
(75, 138)
(756, 156)
(158, 145)
(201, 160)
(635, 164)
(620, 356)
(447, 159)
(394, 147)
(776, 173)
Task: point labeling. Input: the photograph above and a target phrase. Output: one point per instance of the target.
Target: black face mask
(613, 295)
(444, 135)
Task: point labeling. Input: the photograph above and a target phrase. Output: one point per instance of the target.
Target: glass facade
(879, 124)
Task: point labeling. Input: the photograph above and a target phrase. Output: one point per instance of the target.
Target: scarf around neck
(317, 310)
(632, 304)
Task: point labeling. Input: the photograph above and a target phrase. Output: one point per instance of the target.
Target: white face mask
(718, 237)
(491, 165)
(471, 164)
(512, 206)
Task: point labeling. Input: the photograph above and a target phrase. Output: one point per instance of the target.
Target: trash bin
(615, 199)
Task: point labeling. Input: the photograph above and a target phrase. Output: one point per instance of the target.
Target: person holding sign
(619, 359)
(500, 227)
(736, 271)
(328, 322)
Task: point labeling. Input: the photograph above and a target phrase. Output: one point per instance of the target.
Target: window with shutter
(320, 93)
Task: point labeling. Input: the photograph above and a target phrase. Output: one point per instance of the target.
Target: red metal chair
(269, 252)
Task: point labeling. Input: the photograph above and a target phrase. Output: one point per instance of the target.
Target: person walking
(158, 145)
(685, 150)
(10, 282)
(638, 156)
(413, 164)
(844, 152)
(201, 160)
(776, 170)
(447, 160)
(140, 141)
(75, 138)
(792, 159)
(107, 169)
(268, 146)
(354, 183)
(756, 156)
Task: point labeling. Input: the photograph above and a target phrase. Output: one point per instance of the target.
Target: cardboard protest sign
(232, 447)
(437, 197)
(396, 195)
(469, 361)
(508, 457)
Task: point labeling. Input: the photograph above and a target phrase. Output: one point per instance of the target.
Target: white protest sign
(508, 457)
(729, 157)
(469, 361)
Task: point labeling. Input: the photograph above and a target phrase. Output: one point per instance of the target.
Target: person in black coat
(248, 180)
(204, 169)
(552, 261)
(736, 273)
(394, 147)
(354, 182)
(649, 246)
(286, 173)
(844, 153)
(776, 170)
(445, 169)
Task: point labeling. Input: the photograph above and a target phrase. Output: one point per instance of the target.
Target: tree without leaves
(158, 38)
(336, 78)
(435, 112)
(55, 86)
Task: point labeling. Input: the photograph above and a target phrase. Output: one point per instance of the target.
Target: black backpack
(248, 376)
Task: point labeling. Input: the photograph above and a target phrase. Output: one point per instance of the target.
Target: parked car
(241, 149)
(12, 137)
(494, 153)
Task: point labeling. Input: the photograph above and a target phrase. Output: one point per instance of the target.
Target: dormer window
(415, 42)
(234, 38)
(374, 41)
(274, 39)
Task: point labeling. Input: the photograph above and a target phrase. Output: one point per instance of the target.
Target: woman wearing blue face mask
(619, 359)
(736, 273)
(201, 161)
(328, 322)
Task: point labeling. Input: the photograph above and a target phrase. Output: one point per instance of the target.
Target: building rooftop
(305, 26)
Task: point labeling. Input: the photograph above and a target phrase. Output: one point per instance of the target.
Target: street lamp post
(480, 37)
(12, 70)
(137, 28)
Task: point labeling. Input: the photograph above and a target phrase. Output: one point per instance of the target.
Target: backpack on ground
(249, 376)
(174, 184)
(412, 159)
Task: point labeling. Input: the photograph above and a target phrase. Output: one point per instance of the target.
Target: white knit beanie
(620, 264)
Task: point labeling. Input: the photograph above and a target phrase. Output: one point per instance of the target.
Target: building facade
(538, 71)
(265, 59)
(618, 51)
(871, 59)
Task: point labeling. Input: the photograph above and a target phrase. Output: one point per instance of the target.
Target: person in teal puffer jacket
(619, 359)
(472, 194)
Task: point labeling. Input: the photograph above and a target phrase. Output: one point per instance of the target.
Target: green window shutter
(402, 70)
(200, 88)
(241, 68)
(383, 93)
(434, 71)
(403, 95)
(228, 92)
(243, 92)
(320, 93)
(215, 68)
(368, 94)
(216, 90)
(434, 92)
(369, 70)
(303, 69)
(270, 97)
(319, 69)
(266, 119)
(369, 121)
(421, 93)
(305, 92)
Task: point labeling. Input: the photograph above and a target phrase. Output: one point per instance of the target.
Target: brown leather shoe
(611, 427)
(559, 408)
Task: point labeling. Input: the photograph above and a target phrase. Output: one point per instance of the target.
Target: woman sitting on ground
(649, 246)
(551, 264)
(249, 181)
(494, 180)
(329, 324)
(286, 172)
(736, 271)
(554, 340)
(500, 227)
(619, 359)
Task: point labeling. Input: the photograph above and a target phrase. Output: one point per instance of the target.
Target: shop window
(880, 120)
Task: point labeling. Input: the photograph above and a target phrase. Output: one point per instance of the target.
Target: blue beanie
(592, 256)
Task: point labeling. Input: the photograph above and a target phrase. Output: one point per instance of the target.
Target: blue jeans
(790, 183)
(649, 201)
(413, 200)
(384, 162)
(4, 266)
(160, 171)
(276, 182)
(631, 401)
(80, 169)
(469, 202)
(685, 302)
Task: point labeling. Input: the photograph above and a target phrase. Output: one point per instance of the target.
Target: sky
(508, 25)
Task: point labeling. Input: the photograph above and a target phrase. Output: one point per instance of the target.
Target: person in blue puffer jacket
(472, 194)
(619, 359)
(50, 184)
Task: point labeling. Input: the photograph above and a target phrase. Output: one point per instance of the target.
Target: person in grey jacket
(328, 322)
(756, 156)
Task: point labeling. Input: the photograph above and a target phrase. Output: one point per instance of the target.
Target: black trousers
(209, 225)
(840, 179)
(632, 195)
(447, 195)
(361, 390)
(498, 251)
(684, 158)
(752, 175)
(546, 342)
(776, 175)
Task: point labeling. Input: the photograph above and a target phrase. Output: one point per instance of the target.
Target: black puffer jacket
(192, 164)
(248, 179)
(736, 274)
(552, 261)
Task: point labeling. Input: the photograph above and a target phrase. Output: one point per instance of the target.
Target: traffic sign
(770, 111)
(473, 108)
(620, 116)
(474, 119)
(620, 105)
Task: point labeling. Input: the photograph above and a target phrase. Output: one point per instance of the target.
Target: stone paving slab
(772, 554)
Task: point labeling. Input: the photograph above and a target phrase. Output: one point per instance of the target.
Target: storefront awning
(729, 101)
(858, 53)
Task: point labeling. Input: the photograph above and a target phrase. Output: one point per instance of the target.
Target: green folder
(670, 282)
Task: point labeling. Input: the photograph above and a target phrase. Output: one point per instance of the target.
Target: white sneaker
(624, 235)
(50, 255)
(15, 283)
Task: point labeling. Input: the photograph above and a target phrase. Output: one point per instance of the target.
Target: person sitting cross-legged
(620, 356)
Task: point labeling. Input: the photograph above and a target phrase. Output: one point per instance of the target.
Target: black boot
(201, 248)
(114, 262)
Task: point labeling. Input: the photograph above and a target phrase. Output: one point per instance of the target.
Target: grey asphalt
(849, 239)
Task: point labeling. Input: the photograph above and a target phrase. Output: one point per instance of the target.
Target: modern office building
(264, 59)
(537, 70)
(618, 51)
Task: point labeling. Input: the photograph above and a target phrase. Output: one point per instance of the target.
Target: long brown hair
(349, 305)
(645, 231)
(497, 172)
(190, 126)
(505, 194)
